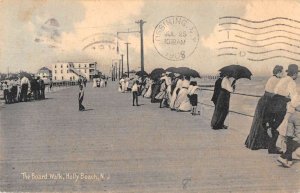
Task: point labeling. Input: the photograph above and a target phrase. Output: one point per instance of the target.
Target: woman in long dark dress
(258, 137)
(222, 105)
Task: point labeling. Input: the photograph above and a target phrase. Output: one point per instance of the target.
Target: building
(44, 73)
(71, 71)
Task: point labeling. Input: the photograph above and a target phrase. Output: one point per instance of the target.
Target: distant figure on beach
(285, 91)
(135, 88)
(222, 105)
(258, 137)
(80, 98)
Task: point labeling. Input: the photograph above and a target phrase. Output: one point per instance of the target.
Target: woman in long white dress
(182, 102)
(149, 90)
(102, 83)
(174, 94)
(94, 83)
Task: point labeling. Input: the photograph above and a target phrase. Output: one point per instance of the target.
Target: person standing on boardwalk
(25, 85)
(292, 138)
(258, 137)
(285, 91)
(41, 88)
(80, 98)
(135, 88)
(222, 105)
(217, 89)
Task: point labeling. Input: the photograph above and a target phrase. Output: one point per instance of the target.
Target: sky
(37, 33)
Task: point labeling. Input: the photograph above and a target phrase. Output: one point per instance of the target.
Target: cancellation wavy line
(227, 54)
(275, 50)
(223, 48)
(261, 46)
(263, 59)
(260, 28)
(261, 21)
(262, 33)
(269, 38)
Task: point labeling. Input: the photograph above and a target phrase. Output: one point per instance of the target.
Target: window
(55, 71)
(85, 65)
(67, 71)
(85, 71)
(70, 78)
(61, 66)
(54, 77)
(61, 71)
(79, 65)
(62, 78)
(55, 66)
(67, 66)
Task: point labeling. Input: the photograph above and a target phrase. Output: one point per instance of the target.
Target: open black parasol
(156, 73)
(141, 73)
(236, 71)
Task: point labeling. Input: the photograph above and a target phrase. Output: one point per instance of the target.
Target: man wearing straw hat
(285, 91)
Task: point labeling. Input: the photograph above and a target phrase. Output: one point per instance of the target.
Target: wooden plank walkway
(131, 149)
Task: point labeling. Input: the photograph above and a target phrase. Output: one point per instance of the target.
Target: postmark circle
(175, 38)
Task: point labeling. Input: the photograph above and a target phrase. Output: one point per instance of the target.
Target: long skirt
(221, 110)
(94, 83)
(181, 98)
(148, 92)
(258, 137)
(174, 97)
(185, 104)
(155, 91)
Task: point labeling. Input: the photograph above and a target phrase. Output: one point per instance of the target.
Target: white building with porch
(72, 71)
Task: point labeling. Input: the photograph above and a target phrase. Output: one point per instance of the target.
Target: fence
(204, 88)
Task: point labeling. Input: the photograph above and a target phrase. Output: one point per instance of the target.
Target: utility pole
(116, 73)
(119, 69)
(122, 64)
(127, 59)
(141, 22)
(112, 72)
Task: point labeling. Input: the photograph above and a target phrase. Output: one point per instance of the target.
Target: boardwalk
(133, 149)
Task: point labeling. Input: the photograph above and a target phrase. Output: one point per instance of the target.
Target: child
(193, 97)
(80, 98)
(134, 89)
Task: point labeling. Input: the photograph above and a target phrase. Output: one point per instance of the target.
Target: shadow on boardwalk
(116, 147)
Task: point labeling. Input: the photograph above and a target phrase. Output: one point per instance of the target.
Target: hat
(292, 69)
(277, 69)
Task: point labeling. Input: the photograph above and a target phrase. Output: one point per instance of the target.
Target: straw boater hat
(292, 69)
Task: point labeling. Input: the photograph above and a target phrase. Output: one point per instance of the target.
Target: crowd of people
(170, 90)
(23, 89)
(276, 123)
(99, 82)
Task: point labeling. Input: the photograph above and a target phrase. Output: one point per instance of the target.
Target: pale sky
(41, 32)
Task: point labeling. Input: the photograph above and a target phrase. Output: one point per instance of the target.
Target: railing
(204, 88)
